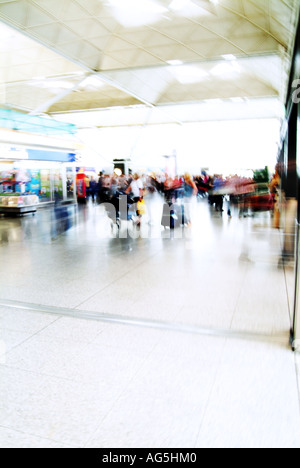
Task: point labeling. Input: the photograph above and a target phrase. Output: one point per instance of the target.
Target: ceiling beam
(258, 26)
(122, 79)
(43, 108)
(76, 62)
(108, 79)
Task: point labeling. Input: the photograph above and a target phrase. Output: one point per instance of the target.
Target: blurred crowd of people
(244, 192)
(108, 185)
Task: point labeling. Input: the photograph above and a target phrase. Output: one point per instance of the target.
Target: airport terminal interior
(149, 224)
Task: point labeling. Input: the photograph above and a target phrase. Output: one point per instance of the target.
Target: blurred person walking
(190, 191)
(219, 193)
(87, 184)
(275, 192)
(136, 189)
(114, 185)
(93, 189)
(123, 183)
(168, 188)
(100, 187)
(151, 192)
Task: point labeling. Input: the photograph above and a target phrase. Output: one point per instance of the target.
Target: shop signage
(11, 153)
(18, 153)
(55, 156)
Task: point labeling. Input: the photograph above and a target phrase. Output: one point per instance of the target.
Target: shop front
(31, 178)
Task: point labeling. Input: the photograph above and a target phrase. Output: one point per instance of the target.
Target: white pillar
(296, 324)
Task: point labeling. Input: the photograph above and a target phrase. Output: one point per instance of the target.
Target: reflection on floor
(69, 381)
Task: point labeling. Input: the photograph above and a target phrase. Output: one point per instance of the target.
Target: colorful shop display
(18, 201)
(20, 181)
(45, 188)
(35, 176)
(35, 181)
(36, 186)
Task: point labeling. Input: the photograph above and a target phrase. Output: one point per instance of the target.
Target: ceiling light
(189, 74)
(226, 70)
(214, 101)
(118, 172)
(229, 57)
(134, 13)
(59, 84)
(188, 8)
(52, 84)
(174, 62)
(237, 100)
(92, 82)
(149, 5)
(177, 5)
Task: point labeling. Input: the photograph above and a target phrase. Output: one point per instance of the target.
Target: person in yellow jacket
(274, 189)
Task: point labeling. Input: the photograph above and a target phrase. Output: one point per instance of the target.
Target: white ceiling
(179, 60)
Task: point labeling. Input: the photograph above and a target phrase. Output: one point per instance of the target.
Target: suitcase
(173, 216)
(166, 216)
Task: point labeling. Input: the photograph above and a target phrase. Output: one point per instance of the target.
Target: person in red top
(177, 184)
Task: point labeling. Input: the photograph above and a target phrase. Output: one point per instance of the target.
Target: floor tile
(73, 330)
(196, 348)
(24, 321)
(69, 382)
(148, 423)
(254, 402)
(129, 338)
(15, 439)
(10, 339)
(45, 356)
(53, 408)
(111, 366)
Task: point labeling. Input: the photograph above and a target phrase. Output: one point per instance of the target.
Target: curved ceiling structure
(163, 60)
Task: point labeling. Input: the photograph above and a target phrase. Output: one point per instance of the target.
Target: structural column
(296, 321)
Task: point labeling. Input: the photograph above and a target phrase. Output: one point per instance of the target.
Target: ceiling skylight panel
(188, 74)
(136, 13)
(188, 8)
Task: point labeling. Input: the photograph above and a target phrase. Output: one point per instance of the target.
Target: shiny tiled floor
(127, 381)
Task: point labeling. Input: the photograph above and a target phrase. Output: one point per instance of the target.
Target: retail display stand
(18, 205)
